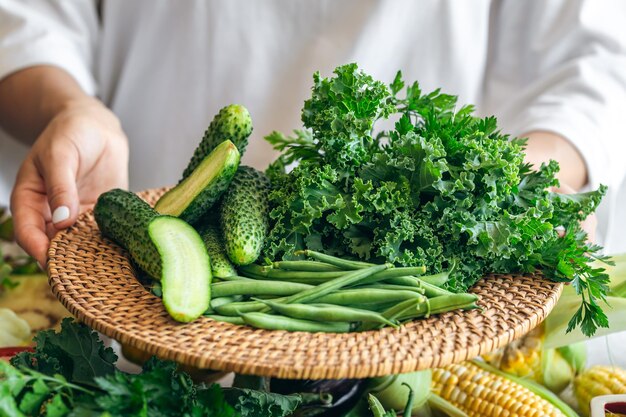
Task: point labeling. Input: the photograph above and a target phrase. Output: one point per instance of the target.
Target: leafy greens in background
(443, 187)
(13, 260)
(72, 374)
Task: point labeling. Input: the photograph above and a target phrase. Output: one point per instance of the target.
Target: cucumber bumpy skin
(232, 123)
(166, 248)
(244, 216)
(220, 264)
(195, 195)
(124, 218)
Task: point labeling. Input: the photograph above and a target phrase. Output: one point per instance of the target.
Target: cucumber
(244, 215)
(220, 265)
(165, 247)
(232, 123)
(197, 193)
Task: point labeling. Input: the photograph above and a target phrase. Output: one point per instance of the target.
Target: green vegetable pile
(330, 294)
(442, 187)
(72, 374)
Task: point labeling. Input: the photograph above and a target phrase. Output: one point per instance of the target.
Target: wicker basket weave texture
(93, 278)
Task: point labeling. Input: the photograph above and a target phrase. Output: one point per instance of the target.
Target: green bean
(395, 312)
(406, 281)
(347, 297)
(434, 291)
(362, 296)
(327, 313)
(232, 278)
(266, 297)
(377, 307)
(401, 308)
(393, 273)
(219, 301)
(227, 319)
(307, 279)
(234, 309)
(316, 278)
(425, 288)
(392, 287)
(311, 266)
(408, 310)
(333, 260)
(256, 271)
(438, 280)
(271, 322)
(429, 289)
(351, 278)
(442, 304)
(367, 295)
(257, 287)
(328, 275)
(260, 272)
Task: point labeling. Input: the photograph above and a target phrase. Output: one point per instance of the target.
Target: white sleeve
(560, 66)
(62, 33)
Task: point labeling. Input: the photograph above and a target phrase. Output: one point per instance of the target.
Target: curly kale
(442, 187)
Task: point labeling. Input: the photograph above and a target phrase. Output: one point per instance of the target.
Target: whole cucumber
(233, 123)
(124, 218)
(220, 264)
(167, 248)
(244, 215)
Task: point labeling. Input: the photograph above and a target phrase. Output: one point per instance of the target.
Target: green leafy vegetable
(159, 391)
(76, 353)
(13, 260)
(441, 187)
(72, 374)
(251, 403)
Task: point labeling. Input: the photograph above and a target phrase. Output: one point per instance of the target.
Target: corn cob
(528, 358)
(480, 391)
(598, 380)
(521, 357)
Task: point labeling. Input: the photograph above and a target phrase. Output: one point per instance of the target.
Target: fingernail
(40, 266)
(61, 213)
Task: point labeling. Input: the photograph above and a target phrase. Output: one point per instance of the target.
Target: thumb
(59, 175)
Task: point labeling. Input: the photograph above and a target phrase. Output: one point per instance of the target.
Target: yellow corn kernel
(481, 393)
(521, 357)
(598, 380)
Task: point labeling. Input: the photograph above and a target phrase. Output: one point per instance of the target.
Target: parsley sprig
(72, 374)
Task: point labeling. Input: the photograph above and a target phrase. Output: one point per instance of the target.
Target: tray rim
(309, 372)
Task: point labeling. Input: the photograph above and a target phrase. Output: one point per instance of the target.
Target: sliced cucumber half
(197, 193)
(186, 268)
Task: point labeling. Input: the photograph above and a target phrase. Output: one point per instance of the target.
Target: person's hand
(80, 154)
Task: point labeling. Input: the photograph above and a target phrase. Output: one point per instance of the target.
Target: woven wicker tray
(93, 278)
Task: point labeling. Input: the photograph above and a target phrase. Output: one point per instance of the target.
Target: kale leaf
(251, 403)
(76, 353)
(442, 187)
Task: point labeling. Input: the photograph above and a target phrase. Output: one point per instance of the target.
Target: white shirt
(166, 67)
